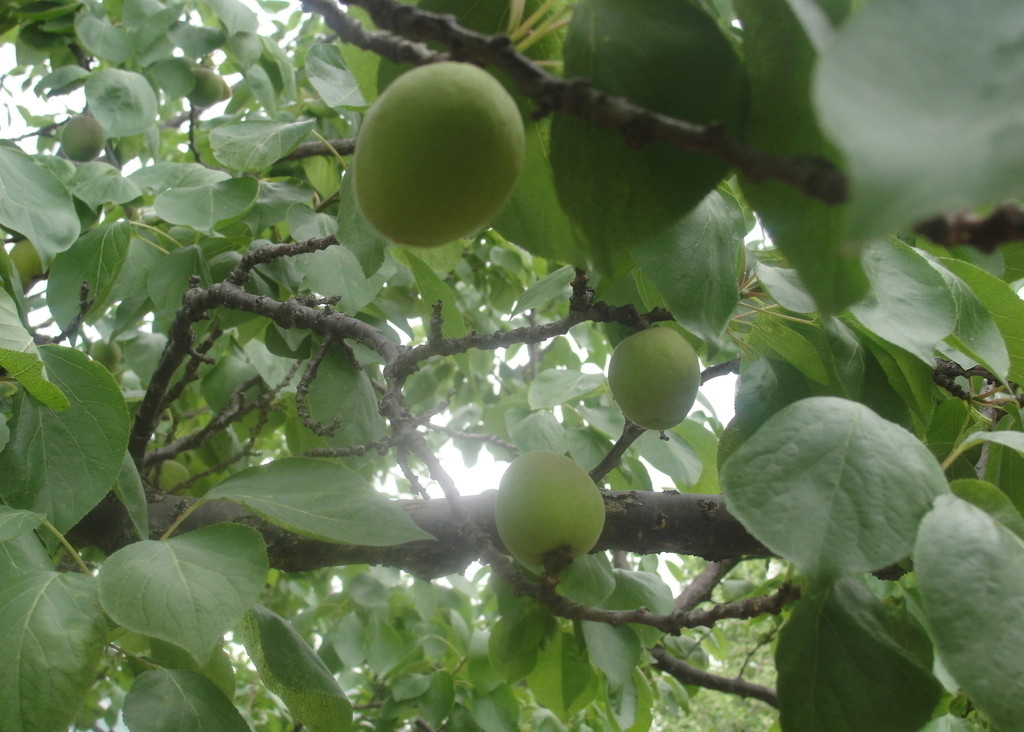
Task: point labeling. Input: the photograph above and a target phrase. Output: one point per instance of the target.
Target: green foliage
(225, 398)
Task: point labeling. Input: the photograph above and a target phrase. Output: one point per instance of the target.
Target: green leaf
(671, 58)
(337, 270)
(160, 177)
(830, 485)
(990, 499)
(1002, 303)
(62, 463)
(256, 145)
(909, 304)
(54, 633)
(558, 386)
(322, 500)
(203, 207)
(15, 523)
(21, 556)
(614, 650)
(189, 590)
(780, 59)
(516, 638)
(970, 570)
(544, 290)
(101, 38)
(773, 336)
(98, 183)
(342, 389)
(36, 204)
(785, 288)
(122, 101)
(694, 267)
(20, 356)
(563, 679)
(96, 258)
(912, 152)
(293, 671)
(842, 665)
(433, 289)
(332, 80)
(175, 701)
(128, 489)
(235, 16)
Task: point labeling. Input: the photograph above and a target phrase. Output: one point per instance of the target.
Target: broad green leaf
(632, 703)
(98, 183)
(177, 700)
(320, 499)
(101, 38)
(160, 177)
(15, 522)
(780, 59)
(673, 456)
(913, 152)
(1002, 303)
(36, 204)
(235, 15)
(433, 289)
(970, 571)
(340, 389)
(990, 499)
(615, 651)
(293, 671)
(166, 283)
(337, 271)
(671, 58)
(516, 638)
(909, 376)
(369, 247)
(20, 357)
(122, 101)
(544, 290)
(833, 487)
(129, 490)
(203, 207)
(174, 77)
(785, 288)
(909, 304)
(563, 679)
(693, 265)
(54, 633)
(843, 666)
(539, 431)
(21, 556)
(62, 463)
(96, 258)
(189, 590)
(62, 80)
(256, 145)
(332, 80)
(772, 336)
(558, 386)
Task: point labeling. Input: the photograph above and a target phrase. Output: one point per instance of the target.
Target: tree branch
(687, 674)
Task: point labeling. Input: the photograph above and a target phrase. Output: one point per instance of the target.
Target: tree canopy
(246, 441)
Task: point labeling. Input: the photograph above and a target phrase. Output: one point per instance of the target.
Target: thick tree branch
(1004, 225)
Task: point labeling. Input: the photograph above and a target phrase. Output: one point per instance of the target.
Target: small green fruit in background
(438, 154)
(26, 260)
(545, 501)
(107, 353)
(208, 90)
(654, 376)
(82, 138)
(172, 473)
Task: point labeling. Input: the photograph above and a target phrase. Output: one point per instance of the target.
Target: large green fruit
(546, 501)
(26, 260)
(654, 376)
(208, 89)
(438, 154)
(82, 138)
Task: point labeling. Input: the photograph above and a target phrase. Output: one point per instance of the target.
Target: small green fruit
(107, 353)
(654, 376)
(82, 138)
(172, 474)
(438, 154)
(546, 501)
(26, 260)
(208, 89)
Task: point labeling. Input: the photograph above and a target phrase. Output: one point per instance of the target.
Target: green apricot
(438, 154)
(107, 353)
(208, 89)
(654, 376)
(546, 501)
(82, 138)
(172, 473)
(26, 260)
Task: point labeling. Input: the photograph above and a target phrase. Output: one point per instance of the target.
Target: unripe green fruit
(546, 501)
(208, 89)
(26, 260)
(82, 138)
(438, 154)
(172, 473)
(107, 353)
(654, 376)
